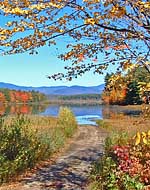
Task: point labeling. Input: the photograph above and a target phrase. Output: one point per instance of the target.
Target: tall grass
(26, 140)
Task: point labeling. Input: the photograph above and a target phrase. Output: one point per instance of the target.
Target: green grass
(26, 140)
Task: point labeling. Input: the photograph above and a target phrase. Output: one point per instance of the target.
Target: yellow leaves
(147, 63)
(9, 24)
(42, 6)
(118, 11)
(142, 137)
(62, 21)
(16, 10)
(92, 1)
(59, 6)
(4, 33)
(16, 29)
(137, 138)
(91, 21)
(61, 31)
(2, 38)
(7, 44)
(145, 4)
(143, 86)
(128, 66)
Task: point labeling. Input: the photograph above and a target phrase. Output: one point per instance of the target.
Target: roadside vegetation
(125, 164)
(27, 140)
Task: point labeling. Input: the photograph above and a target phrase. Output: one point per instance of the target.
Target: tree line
(133, 87)
(17, 96)
(80, 97)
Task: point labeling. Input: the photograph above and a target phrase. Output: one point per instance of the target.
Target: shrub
(125, 165)
(66, 121)
(20, 148)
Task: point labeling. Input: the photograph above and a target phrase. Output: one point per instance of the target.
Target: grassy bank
(26, 140)
(119, 122)
(126, 162)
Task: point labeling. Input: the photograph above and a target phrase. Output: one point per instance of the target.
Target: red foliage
(134, 161)
(2, 97)
(24, 109)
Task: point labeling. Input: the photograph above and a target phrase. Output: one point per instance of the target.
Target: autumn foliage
(99, 33)
(132, 87)
(20, 102)
(14, 96)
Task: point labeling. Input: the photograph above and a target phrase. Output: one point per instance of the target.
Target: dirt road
(71, 169)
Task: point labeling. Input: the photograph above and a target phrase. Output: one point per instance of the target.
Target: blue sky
(31, 70)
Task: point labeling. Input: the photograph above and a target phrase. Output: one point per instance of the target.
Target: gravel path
(71, 169)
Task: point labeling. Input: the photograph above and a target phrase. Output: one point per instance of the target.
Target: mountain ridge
(57, 90)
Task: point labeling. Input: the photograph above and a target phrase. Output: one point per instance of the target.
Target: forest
(14, 96)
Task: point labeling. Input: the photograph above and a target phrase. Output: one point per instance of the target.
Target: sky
(32, 70)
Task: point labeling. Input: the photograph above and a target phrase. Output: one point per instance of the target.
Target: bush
(66, 121)
(20, 148)
(125, 166)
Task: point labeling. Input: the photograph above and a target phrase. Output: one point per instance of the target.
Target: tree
(115, 89)
(126, 88)
(132, 96)
(117, 30)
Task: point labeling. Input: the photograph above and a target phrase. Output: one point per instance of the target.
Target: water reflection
(77, 110)
(21, 109)
(85, 114)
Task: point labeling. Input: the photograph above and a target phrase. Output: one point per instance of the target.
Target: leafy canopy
(102, 32)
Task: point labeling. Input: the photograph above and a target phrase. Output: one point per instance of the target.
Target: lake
(85, 114)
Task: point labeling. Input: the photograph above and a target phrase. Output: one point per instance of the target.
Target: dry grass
(37, 122)
(128, 124)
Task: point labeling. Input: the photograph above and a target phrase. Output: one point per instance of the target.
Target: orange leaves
(118, 11)
(81, 57)
(92, 1)
(118, 47)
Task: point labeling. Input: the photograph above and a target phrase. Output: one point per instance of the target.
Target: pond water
(85, 114)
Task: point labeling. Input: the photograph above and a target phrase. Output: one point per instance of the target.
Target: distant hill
(57, 90)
